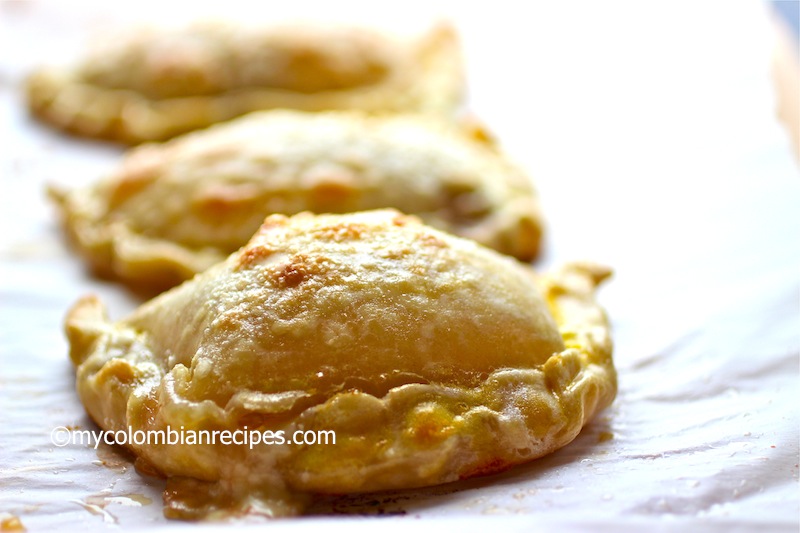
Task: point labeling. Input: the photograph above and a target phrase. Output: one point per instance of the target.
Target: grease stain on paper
(96, 504)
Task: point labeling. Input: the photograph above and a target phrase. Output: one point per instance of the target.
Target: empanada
(430, 357)
(172, 210)
(152, 84)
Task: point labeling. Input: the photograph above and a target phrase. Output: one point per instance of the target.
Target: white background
(649, 129)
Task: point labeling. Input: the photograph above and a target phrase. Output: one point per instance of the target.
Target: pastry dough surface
(431, 357)
(172, 210)
(150, 85)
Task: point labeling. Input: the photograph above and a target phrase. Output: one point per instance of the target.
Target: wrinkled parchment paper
(650, 130)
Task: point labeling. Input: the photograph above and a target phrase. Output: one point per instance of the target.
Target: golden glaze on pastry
(151, 85)
(431, 357)
(174, 209)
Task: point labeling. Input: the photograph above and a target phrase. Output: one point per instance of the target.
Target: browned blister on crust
(431, 357)
(150, 85)
(172, 210)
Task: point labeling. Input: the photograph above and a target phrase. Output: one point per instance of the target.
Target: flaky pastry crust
(174, 209)
(150, 85)
(431, 357)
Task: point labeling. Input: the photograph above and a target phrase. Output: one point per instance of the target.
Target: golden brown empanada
(430, 357)
(173, 210)
(154, 84)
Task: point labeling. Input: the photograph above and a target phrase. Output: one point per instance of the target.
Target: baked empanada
(174, 209)
(152, 84)
(430, 357)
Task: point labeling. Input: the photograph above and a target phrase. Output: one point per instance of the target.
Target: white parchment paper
(650, 131)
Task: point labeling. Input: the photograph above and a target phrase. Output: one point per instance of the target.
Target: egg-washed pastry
(153, 84)
(173, 210)
(430, 357)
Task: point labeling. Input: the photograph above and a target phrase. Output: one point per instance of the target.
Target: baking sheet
(650, 131)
